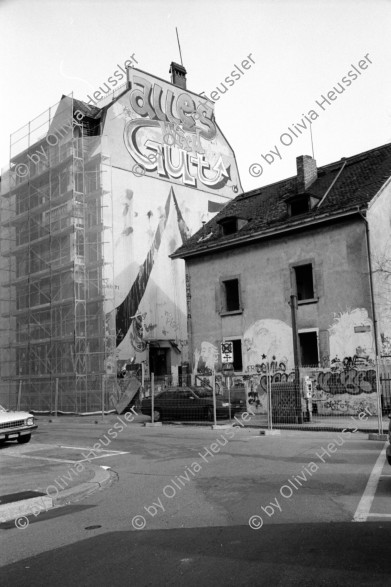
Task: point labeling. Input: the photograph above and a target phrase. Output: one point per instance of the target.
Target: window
(304, 282)
(232, 224)
(299, 206)
(309, 349)
(237, 348)
(184, 395)
(231, 295)
(229, 226)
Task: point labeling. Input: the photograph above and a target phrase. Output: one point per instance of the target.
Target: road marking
(100, 457)
(42, 458)
(364, 507)
(379, 515)
(117, 452)
(110, 453)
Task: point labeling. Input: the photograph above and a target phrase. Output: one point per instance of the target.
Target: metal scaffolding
(57, 328)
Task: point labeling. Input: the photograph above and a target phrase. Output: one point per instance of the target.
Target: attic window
(299, 206)
(229, 226)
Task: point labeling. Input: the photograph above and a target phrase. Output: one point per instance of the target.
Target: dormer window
(299, 206)
(231, 224)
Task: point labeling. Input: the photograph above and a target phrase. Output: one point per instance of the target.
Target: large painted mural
(171, 170)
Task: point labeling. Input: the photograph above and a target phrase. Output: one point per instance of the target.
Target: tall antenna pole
(312, 144)
(179, 45)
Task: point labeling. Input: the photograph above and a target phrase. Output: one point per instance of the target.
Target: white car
(16, 426)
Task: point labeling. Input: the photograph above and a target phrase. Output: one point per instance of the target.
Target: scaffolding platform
(57, 317)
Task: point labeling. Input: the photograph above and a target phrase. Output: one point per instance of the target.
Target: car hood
(13, 416)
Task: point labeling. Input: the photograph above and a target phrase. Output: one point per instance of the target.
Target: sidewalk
(40, 487)
(325, 423)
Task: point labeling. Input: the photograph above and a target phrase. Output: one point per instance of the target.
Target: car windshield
(203, 392)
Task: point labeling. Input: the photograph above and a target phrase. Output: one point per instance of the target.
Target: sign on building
(227, 352)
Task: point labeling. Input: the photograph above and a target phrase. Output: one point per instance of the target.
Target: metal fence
(309, 397)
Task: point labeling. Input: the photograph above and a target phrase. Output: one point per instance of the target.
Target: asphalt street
(317, 504)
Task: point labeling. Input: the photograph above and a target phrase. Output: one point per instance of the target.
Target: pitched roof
(266, 210)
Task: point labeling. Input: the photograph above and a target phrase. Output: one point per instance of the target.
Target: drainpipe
(378, 391)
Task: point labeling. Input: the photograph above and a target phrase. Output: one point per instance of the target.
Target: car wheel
(157, 415)
(23, 439)
(209, 414)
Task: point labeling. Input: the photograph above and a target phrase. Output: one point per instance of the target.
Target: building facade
(323, 236)
(96, 197)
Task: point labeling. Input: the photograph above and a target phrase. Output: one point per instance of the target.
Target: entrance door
(309, 349)
(159, 361)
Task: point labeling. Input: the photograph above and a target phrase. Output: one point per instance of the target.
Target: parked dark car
(237, 397)
(186, 403)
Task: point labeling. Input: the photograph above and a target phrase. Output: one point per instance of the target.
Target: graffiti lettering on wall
(267, 367)
(351, 381)
(348, 391)
(348, 407)
(182, 134)
(257, 394)
(360, 359)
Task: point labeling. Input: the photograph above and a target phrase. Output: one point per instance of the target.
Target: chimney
(307, 172)
(178, 75)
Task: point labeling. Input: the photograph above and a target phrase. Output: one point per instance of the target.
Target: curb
(377, 436)
(13, 510)
(282, 427)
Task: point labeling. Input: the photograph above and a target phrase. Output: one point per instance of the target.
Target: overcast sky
(301, 50)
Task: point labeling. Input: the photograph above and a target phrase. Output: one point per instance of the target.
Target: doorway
(159, 361)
